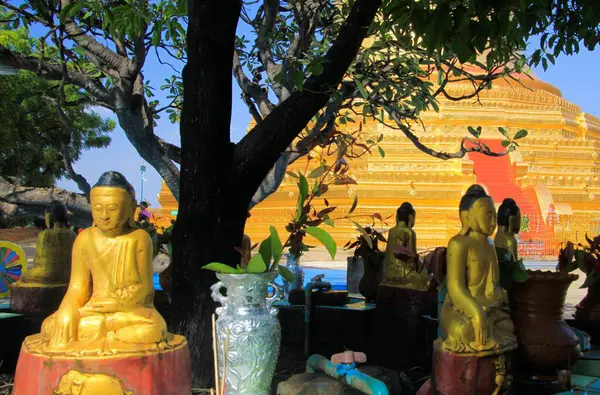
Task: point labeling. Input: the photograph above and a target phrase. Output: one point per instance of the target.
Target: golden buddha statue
(108, 308)
(41, 288)
(509, 225)
(397, 272)
(52, 262)
(474, 320)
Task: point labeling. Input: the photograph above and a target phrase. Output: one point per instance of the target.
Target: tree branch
(54, 72)
(251, 89)
(260, 149)
(20, 201)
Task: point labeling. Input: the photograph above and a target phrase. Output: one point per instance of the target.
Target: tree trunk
(212, 212)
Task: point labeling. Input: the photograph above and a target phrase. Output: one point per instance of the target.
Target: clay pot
(369, 283)
(587, 313)
(546, 342)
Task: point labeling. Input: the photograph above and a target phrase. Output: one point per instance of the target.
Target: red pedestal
(467, 375)
(163, 373)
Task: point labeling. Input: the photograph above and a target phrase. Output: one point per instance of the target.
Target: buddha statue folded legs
(107, 321)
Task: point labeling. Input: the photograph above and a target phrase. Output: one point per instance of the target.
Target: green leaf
(276, 247)
(256, 264)
(298, 77)
(316, 68)
(318, 172)
(220, 268)
(520, 134)
(505, 143)
(286, 273)
(265, 250)
(361, 89)
(504, 132)
(364, 234)
(354, 204)
(325, 239)
(329, 221)
(303, 186)
(381, 152)
(520, 275)
(474, 132)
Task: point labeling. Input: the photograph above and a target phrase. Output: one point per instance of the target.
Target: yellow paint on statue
(52, 261)
(474, 318)
(112, 261)
(74, 382)
(397, 272)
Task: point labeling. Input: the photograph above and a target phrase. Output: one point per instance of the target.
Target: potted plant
(247, 330)
(587, 259)
(366, 261)
(546, 342)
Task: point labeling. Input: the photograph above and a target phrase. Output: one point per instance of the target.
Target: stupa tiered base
(466, 374)
(166, 372)
(36, 299)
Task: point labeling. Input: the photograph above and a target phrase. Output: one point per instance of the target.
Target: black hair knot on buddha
(507, 209)
(473, 194)
(404, 211)
(116, 180)
(58, 212)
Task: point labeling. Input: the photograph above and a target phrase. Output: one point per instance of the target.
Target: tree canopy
(33, 134)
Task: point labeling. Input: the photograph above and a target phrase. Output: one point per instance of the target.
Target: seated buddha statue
(52, 261)
(509, 225)
(397, 272)
(108, 308)
(474, 318)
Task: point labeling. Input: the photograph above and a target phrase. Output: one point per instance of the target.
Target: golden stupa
(553, 176)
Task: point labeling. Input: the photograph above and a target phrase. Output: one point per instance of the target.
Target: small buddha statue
(509, 225)
(108, 308)
(397, 272)
(474, 317)
(41, 288)
(52, 261)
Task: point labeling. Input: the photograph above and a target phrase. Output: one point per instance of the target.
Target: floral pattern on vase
(247, 315)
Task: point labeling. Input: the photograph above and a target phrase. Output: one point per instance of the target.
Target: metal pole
(143, 172)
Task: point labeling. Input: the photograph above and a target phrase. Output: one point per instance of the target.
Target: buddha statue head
(509, 216)
(406, 213)
(113, 204)
(56, 215)
(477, 212)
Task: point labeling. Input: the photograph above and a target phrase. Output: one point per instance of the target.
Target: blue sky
(574, 75)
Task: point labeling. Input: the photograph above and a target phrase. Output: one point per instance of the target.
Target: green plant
(511, 270)
(525, 224)
(583, 257)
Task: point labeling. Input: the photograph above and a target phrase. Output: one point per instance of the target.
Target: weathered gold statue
(115, 259)
(77, 383)
(41, 288)
(509, 225)
(474, 319)
(397, 272)
(52, 262)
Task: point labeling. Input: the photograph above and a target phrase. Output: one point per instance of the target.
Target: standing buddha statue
(403, 273)
(107, 321)
(476, 329)
(41, 288)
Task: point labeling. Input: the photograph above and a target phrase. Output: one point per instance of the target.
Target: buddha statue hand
(480, 328)
(129, 292)
(64, 327)
(104, 305)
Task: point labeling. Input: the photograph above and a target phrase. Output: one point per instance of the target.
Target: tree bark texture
(212, 211)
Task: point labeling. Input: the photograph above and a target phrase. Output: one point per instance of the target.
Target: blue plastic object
(352, 376)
